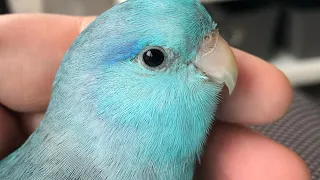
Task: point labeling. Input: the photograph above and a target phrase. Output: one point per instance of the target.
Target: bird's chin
(216, 60)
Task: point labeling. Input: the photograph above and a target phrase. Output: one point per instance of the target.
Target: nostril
(207, 38)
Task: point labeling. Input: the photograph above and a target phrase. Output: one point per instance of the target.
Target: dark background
(266, 28)
(3, 7)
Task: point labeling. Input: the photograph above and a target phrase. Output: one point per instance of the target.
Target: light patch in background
(23, 6)
(69, 7)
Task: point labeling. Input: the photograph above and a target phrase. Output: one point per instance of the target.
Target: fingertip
(235, 152)
(281, 98)
(262, 95)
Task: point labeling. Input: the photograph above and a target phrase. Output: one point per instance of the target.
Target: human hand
(32, 47)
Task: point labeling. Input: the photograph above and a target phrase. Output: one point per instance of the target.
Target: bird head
(149, 64)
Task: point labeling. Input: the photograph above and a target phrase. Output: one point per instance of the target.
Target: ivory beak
(216, 60)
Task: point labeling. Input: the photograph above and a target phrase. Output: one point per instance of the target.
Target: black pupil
(153, 57)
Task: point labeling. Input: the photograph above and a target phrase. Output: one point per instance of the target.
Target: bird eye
(153, 57)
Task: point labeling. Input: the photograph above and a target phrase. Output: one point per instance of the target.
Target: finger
(263, 94)
(235, 152)
(31, 49)
(10, 134)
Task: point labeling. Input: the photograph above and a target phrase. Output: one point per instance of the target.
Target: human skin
(31, 50)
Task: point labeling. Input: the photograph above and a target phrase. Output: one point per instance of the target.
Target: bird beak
(217, 61)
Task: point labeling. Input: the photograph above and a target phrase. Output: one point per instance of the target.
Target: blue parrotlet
(133, 99)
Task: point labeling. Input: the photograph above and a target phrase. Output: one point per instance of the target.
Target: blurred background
(283, 32)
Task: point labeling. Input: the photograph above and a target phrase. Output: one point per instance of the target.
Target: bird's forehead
(175, 24)
(125, 30)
